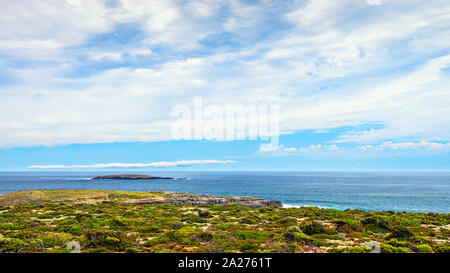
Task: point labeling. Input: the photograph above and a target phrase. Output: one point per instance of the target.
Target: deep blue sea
(414, 192)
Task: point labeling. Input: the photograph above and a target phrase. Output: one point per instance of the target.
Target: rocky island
(131, 177)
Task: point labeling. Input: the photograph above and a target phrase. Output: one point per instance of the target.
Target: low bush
(425, 248)
(115, 240)
(294, 229)
(385, 248)
(400, 233)
(251, 234)
(11, 245)
(247, 247)
(442, 248)
(376, 224)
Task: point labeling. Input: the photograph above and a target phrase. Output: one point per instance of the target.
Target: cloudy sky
(360, 84)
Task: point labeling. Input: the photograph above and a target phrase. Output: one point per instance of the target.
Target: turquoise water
(414, 192)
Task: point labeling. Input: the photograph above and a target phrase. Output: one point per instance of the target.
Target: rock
(130, 177)
(181, 198)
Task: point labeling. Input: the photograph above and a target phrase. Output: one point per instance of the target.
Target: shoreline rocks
(182, 198)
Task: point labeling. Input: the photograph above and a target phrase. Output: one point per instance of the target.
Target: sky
(92, 84)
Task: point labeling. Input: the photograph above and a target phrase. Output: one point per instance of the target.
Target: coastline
(91, 197)
(378, 192)
(118, 221)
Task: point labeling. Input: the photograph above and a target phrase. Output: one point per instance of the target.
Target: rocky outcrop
(131, 177)
(92, 197)
(182, 198)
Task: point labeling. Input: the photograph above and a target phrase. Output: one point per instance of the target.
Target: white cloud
(315, 12)
(106, 55)
(118, 55)
(331, 69)
(422, 145)
(314, 151)
(204, 8)
(363, 151)
(136, 165)
(38, 26)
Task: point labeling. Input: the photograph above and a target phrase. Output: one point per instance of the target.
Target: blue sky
(360, 84)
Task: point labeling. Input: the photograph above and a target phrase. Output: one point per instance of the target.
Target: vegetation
(59, 217)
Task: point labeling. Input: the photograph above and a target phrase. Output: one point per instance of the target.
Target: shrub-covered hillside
(118, 227)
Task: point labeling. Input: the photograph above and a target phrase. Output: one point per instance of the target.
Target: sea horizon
(411, 191)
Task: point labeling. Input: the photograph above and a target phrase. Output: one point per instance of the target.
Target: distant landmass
(131, 177)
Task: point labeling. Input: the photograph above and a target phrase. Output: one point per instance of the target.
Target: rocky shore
(92, 197)
(182, 198)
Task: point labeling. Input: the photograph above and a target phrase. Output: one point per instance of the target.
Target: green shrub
(424, 248)
(226, 226)
(347, 225)
(396, 243)
(298, 237)
(152, 242)
(115, 240)
(248, 221)
(11, 245)
(150, 229)
(314, 227)
(385, 248)
(410, 223)
(176, 225)
(286, 221)
(217, 208)
(45, 216)
(401, 233)
(251, 234)
(50, 239)
(442, 248)
(192, 218)
(420, 240)
(96, 250)
(11, 226)
(320, 242)
(376, 224)
(36, 245)
(203, 236)
(117, 223)
(294, 248)
(132, 250)
(246, 247)
(289, 237)
(181, 236)
(294, 229)
(203, 213)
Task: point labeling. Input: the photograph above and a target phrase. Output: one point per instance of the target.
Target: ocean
(394, 191)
